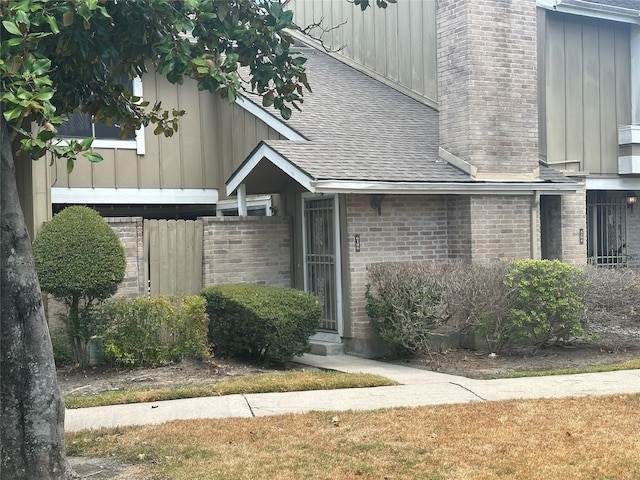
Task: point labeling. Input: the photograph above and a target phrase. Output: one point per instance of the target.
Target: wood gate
(173, 256)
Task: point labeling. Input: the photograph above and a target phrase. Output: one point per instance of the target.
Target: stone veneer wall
(409, 228)
(487, 83)
(129, 231)
(247, 250)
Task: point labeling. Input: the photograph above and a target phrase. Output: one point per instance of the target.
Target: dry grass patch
(612, 367)
(259, 383)
(578, 438)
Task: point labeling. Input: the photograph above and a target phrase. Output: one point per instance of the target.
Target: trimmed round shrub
(78, 255)
(273, 323)
(79, 260)
(547, 303)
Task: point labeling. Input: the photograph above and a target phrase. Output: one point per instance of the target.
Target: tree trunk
(31, 408)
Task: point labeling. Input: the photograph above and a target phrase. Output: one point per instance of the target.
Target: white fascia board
(279, 126)
(623, 183)
(265, 151)
(444, 188)
(629, 134)
(135, 196)
(629, 165)
(588, 9)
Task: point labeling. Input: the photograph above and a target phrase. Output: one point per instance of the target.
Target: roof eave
(443, 188)
(588, 9)
(261, 152)
(277, 124)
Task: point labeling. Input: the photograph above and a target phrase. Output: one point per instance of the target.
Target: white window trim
(253, 202)
(137, 144)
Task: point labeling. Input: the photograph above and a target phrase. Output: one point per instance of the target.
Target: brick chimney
(487, 82)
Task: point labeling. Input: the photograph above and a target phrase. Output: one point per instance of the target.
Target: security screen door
(321, 254)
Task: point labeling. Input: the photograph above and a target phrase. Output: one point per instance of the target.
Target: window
(80, 125)
(607, 229)
(257, 206)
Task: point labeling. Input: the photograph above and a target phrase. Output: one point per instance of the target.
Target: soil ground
(611, 347)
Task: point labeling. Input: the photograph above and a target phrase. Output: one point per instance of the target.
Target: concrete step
(326, 349)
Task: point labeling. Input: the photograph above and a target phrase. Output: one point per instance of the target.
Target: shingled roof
(354, 129)
(630, 4)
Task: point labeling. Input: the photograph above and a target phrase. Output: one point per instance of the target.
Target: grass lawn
(577, 438)
(258, 383)
(612, 367)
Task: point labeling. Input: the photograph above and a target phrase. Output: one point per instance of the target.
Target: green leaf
(67, 18)
(42, 66)
(22, 17)
(70, 165)
(86, 143)
(53, 24)
(11, 27)
(44, 95)
(13, 113)
(223, 11)
(93, 157)
(46, 135)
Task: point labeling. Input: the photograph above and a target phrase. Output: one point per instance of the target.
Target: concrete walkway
(417, 387)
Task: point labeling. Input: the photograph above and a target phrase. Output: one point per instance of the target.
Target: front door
(322, 258)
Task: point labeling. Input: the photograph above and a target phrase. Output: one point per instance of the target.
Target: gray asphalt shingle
(360, 129)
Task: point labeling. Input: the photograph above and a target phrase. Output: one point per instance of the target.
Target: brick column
(573, 220)
(487, 78)
(130, 232)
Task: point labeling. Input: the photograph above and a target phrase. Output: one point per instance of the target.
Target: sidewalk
(417, 387)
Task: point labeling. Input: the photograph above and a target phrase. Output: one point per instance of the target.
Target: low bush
(522, 303)
(547, 302)
(405, 303)
(155, 331)
(269, 322)
(480, 302)
(612, 296)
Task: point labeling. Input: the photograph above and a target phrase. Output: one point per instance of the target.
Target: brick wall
(409, 228)
(129, 231)
(459, 222)
(500, 227)
(487, 77)
(247, 250)
(573, 220)
(633, 237)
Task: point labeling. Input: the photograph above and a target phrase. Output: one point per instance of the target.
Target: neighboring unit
(451, 130)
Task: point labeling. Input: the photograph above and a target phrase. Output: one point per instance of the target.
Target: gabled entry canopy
(358, 135)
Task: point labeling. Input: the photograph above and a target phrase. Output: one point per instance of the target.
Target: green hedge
(547, 303)
(262, 321)
(155, 331)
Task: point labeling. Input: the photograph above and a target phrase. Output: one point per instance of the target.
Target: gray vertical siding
(585, 90)
(397, 43)
(213, 138)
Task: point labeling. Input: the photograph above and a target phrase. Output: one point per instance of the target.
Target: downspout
(535, 209)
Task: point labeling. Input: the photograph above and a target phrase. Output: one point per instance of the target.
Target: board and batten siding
(585, 91)
(213, 139)
(237, 133)
(397, 45)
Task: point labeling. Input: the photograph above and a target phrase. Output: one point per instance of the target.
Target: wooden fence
(173, 256)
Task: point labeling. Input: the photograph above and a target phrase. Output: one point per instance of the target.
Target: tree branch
(310, 30)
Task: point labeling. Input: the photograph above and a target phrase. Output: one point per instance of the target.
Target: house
(442, 130)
